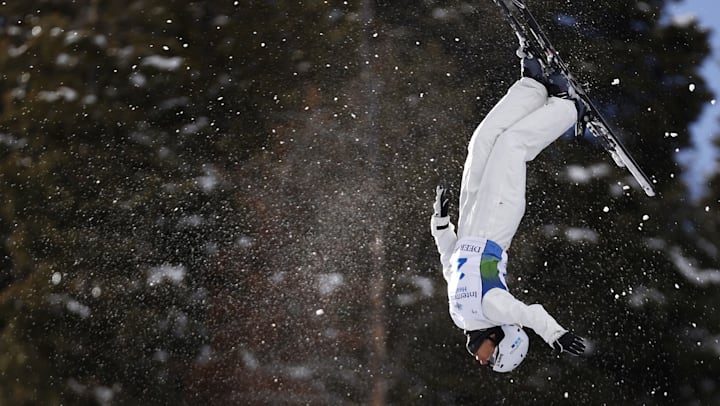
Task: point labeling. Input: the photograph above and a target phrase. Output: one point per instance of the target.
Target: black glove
(442, 203)
(570, 343)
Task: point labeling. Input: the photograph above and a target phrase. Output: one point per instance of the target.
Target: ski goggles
(495, 340)
(493, 357)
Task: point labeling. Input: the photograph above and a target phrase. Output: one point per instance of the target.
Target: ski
(532, 38)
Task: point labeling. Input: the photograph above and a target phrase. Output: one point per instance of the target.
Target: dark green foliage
(227, 203)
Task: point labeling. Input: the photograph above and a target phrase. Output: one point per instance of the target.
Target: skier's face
(484, 354)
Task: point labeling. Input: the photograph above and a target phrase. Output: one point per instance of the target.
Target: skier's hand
(442, 203)
(570, 343)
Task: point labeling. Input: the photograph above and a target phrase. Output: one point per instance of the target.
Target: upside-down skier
(536, 110)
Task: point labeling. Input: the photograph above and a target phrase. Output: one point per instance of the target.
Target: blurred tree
(115, 198)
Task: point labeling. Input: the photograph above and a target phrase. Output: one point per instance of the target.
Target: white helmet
(511, 350)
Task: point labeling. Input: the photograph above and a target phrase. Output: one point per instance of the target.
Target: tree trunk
(371, 130)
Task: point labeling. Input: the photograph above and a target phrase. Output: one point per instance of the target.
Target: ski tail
(533, 39)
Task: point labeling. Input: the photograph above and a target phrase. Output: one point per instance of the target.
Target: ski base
(532, 37)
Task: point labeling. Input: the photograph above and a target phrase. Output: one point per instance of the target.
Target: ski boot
(558, 85)
(530, 66)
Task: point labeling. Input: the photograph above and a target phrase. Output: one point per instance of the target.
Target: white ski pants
(492, 193)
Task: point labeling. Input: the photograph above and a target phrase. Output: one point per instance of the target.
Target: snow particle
(319, 312)
(56, 278)
(691, 87)
(615, 82)
(645, 217)
(606, 209)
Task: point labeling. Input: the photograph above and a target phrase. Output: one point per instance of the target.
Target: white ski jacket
(478, 296)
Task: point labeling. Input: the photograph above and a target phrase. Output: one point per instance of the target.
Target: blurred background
(228, 202)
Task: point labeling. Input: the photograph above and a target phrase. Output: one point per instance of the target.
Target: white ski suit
(492, 203)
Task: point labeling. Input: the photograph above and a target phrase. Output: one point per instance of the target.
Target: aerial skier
(536, 110)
